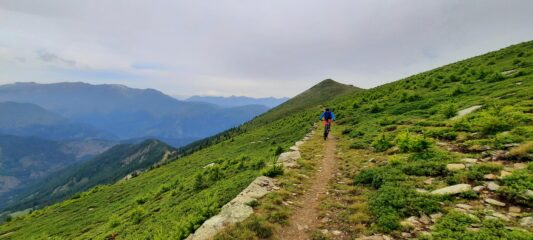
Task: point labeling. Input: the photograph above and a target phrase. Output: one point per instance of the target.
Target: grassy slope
(399, 125)
(173, 200)
(373, 196)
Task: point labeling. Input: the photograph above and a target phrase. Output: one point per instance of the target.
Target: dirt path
(305, 217)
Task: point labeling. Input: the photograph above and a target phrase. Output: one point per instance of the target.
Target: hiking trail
(304, 219)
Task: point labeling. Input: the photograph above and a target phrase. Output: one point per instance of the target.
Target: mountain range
(130, 113)
(237, 101)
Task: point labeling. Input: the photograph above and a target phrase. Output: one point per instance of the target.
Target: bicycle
(327, 126)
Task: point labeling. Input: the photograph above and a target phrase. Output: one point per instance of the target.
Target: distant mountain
(25, 160)
(26, 119)
(237, 101)
(131, 113)
(108, 167)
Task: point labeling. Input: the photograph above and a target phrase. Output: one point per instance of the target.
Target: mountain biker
(328, 117)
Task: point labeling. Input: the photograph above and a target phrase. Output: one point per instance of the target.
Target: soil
(305, 217)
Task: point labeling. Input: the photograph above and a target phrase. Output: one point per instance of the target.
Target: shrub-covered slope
(405, 139)
(105, 168)
(172, 200)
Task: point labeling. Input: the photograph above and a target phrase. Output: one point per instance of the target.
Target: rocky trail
(305, 217)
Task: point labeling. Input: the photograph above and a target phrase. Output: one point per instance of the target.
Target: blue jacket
(324, 115)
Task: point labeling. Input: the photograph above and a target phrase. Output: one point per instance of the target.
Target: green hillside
(171, 201)
(105, 168)
(403, 140)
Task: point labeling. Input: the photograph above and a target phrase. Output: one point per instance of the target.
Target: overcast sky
(251, 48)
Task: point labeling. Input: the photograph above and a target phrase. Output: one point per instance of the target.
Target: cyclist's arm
(322, 115)
(333, 116)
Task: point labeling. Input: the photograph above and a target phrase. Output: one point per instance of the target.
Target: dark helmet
(327, 109)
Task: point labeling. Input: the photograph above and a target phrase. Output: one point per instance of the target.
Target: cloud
(266, 48)
(53, 58)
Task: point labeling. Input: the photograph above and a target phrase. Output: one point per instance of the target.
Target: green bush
(424, 168)
(114, 221)
(441, 133)
(449, 110)
(273, 171)
(495, 77)
(454, 225)
(358, 145)
(381, 144)
(378, 176)
(392, 202)
(407, 142)
(514, 186)
(137, 215)
(477, 171)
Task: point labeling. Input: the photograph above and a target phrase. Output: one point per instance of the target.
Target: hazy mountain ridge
(128, 112)
(30, 120)
(237, 101)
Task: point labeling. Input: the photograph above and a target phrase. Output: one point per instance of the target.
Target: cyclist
(328, 117)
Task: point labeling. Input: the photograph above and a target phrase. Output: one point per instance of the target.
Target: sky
(252, 48)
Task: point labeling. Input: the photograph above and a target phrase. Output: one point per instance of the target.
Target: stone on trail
(235, 211)
(294, 148)
(514, 209)
(490, 176)
(299, 143)
(529, 193)
(435, 216)
(493, 186)
(455, 166)
(494, 202)
(469, 160)
(501, 216)
(478, 188)
(288, 159)
(504, 173)
(454, 189)
(526, 222)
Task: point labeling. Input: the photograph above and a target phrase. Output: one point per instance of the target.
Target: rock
(493, 186)
(235, 211)
(466, 111)
(504, 173)
(469, 160)
(526, 222)
(428, 181)
(501, 216)
(454, 189)
(425, 219)
(478, 188)
(406, 235)
(435, 217)
(463, 206)
(288, 159)
(494, 202)
(336, 232)
(490, 176)
(299, 143)
(410, 222)
(514, 209)
(294, 148)
(529, 193)
(374, 237)
(520, 165)
(209, 165)
(420, 190)
(455, 167)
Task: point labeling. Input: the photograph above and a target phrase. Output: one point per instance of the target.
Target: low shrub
(407, 142)
(515, 186)
(441, 133)
(273, 171)
(358, 145)
(392, 203)
(455, 225)
(424, 168)
(522, 152)
(378, 176)
(381, 144)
